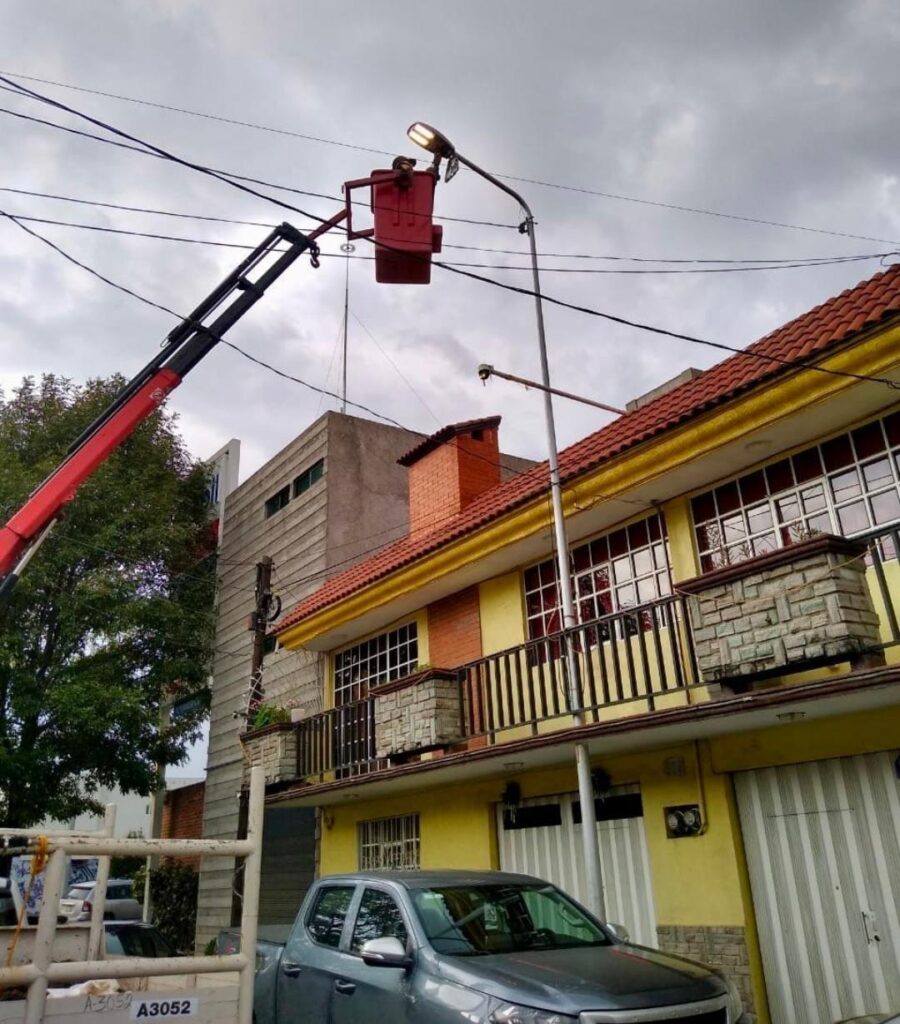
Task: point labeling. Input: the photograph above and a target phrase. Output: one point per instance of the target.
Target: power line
(214, 170)
(649, 328)
(165, 309)
(399, 372)
(825, 261)
(619, 197)
(446, 245)
(469, 273)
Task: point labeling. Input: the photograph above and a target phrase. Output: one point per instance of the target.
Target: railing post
(54, 877)
(98, 904)
(250, 910)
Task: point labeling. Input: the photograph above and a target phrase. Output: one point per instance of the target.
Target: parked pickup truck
(446, 947)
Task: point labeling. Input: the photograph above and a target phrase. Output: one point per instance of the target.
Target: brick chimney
(448, 470)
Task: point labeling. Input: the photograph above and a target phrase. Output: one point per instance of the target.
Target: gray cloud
(777, 111)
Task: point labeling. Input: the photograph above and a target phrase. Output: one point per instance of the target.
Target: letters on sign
(164, 1009)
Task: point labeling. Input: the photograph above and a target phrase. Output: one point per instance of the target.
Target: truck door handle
(871, 927)
(291, 969)
(346, 988)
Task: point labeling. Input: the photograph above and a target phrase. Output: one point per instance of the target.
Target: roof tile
(808, 335)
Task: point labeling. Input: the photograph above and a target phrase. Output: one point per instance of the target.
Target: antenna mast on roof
(347, 248)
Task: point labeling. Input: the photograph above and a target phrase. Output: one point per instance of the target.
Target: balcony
(757, 623)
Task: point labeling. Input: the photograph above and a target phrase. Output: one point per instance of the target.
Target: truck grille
(696, 1013)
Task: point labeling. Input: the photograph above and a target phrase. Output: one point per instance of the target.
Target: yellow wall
(698, 881)
(809, 740)
(502, 614)
(456, 827)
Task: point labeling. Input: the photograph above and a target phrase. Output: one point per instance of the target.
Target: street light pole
(432, 140)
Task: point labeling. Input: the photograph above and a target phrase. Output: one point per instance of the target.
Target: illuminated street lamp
(436, 142)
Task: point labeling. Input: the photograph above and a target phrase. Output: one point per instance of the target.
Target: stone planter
(274, 749)
(807, 604)
(417, 713)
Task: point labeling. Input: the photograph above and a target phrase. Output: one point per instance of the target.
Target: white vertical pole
(98, 904)
(54, 876)
(250, 909)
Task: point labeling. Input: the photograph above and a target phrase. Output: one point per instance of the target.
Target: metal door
(547, 843)
(823, 850)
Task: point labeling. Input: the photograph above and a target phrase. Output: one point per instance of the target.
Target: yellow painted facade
(700, 881)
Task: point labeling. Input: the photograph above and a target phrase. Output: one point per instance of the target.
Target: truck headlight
(509, 1013)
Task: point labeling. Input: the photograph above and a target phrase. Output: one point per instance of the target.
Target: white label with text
(164, 1009)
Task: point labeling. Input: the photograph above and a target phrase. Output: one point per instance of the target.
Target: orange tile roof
(827, 325)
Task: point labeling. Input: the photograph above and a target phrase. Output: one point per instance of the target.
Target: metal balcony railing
(642, 657)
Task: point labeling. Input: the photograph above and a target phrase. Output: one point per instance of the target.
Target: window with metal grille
(846, 485)
(308, 477)
(389, 844)
(619, 570)
(384, 658)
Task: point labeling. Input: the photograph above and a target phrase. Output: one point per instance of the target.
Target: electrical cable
(171, 312)
(446, 245)
(399, 372)
(664, 332)
(213, 170)
(509, 177)
(769, 265)
(458, 270)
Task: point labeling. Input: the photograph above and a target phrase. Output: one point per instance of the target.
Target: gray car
(120, 903)
(447, 947)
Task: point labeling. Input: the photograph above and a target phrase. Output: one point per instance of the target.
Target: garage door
(543, 838)
(823, 850)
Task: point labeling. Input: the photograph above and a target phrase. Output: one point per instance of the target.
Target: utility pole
(260, 618)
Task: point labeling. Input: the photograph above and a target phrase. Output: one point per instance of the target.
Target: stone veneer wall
(416, 714)
(275, 749)
(800, 603)
(725, 948)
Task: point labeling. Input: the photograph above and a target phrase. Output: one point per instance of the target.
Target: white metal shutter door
(556, 853)
(823, 850)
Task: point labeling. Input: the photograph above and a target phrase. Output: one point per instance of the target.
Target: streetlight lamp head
(431, 139)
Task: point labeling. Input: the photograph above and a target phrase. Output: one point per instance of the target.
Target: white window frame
(729, 537)
(390, 844)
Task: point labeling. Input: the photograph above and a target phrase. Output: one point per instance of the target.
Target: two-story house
(734, 549)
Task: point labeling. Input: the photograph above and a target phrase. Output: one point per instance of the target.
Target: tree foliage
(173, 901)
(112, 617)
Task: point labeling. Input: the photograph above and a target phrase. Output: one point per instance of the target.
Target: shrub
(173, 901)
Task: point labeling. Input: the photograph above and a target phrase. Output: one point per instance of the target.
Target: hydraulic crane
(402, 203)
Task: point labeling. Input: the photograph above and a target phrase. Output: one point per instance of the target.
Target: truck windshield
(478, 920)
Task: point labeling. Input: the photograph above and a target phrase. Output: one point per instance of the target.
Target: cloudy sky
(770, 111)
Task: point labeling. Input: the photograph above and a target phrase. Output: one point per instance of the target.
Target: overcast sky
(771, 110)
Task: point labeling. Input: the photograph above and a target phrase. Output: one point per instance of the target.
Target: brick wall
(445, 480)
(725, 948)
(454, 629)
(182, 816)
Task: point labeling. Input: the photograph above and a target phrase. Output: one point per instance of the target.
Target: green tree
(110, 619)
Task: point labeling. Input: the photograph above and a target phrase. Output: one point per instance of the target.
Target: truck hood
(619, 977)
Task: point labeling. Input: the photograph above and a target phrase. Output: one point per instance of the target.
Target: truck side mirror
(385, 952)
